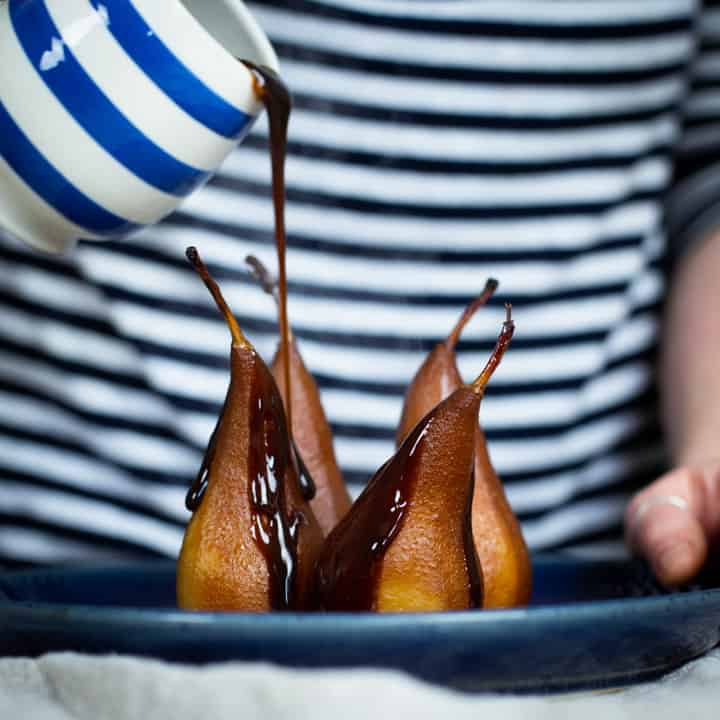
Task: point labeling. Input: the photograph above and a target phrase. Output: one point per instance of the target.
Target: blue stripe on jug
(179, 83)
(35, 170)
(91, 108)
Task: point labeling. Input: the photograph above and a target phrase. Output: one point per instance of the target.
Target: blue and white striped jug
(113, 111)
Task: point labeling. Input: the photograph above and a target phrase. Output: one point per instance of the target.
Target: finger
(673, 542)
(664, 524)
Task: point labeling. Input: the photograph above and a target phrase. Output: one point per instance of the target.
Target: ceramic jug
(113, 111)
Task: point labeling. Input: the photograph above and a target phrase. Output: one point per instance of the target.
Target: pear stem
(238, 339)
(490, 287)
(501, 346)
(263, 277)
(266, 281)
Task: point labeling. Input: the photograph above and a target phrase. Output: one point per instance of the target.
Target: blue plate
(591, 625)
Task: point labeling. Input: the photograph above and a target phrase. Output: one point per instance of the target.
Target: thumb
(672, 522)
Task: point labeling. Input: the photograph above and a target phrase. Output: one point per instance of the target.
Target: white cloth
(79, 687)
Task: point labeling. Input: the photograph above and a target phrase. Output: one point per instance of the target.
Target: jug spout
(233, 26)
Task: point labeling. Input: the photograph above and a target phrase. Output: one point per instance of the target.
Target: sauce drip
(199, 486)
(307, 484)
(274, 526)
(346, 581)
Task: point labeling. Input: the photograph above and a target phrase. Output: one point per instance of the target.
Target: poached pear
(406, 544)
(252, 541)
(496, 532)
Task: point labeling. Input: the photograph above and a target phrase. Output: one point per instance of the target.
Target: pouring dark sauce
(275, 96)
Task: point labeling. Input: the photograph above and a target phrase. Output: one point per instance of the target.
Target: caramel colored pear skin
(313, 439)
(499, 542)
(221, 565)
(437, 378)
(405, 545)
(498, 538)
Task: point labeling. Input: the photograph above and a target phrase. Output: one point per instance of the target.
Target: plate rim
(172, 615)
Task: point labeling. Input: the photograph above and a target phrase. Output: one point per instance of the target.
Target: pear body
(498, 538)
(253, 540)
(313, 439)
(405, 545)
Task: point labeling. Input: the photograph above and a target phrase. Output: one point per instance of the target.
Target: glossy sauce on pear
(347, 575)
(307, 484)
(197, 489)
(274, 526)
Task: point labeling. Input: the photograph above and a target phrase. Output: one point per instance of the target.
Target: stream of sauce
(275, 96)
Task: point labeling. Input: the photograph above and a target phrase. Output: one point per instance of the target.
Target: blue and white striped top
(560, 147)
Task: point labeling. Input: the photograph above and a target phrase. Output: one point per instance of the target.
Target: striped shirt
(561, 147)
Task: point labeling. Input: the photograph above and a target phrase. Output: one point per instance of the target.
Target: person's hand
(675, 521)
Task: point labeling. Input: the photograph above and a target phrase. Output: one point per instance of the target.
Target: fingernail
(676, 562)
